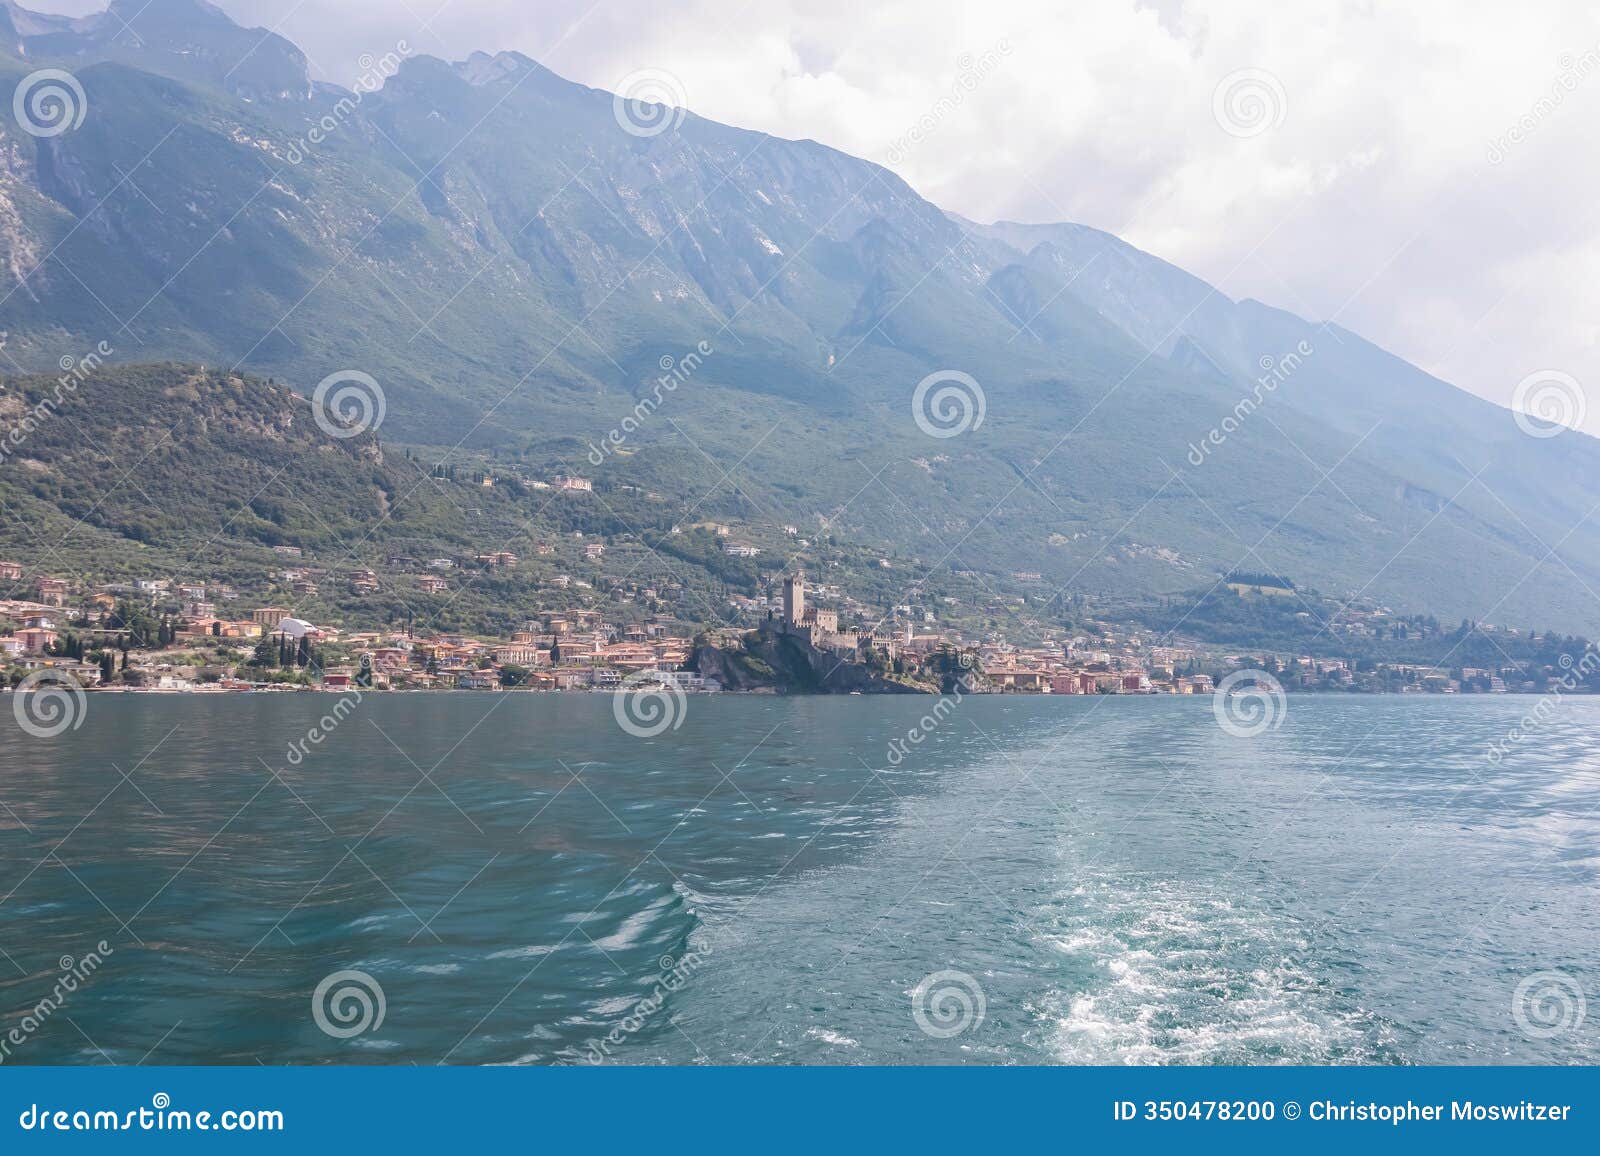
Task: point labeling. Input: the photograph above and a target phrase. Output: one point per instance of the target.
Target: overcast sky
(1363, 171)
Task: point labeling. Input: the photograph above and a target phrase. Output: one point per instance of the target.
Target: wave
(1174, 971)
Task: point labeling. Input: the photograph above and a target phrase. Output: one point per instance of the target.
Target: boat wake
(1172, 971)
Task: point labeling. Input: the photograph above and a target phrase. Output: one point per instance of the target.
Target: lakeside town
(158, 635)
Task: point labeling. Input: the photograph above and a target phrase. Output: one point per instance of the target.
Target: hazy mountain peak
(481, 68)
(187, 39)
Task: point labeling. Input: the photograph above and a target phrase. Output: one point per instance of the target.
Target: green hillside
(515, 270)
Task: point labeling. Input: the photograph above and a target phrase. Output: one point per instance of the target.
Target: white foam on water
(1173, 971)
(532, 951)
(638, 926)
(829, 1036)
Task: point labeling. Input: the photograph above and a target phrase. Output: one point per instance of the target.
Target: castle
(820, 627)
(798, 618)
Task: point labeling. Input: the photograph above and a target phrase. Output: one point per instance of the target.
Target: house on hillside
(37, 639)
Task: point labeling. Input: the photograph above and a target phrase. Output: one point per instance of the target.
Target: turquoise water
(1110, 880)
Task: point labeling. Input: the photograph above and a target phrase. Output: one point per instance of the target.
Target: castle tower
(794, 598)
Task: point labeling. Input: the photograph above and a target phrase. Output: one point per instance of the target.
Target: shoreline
(765, 692)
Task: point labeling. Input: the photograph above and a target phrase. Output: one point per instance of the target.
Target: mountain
(178, 472)
(1444, 447)
(186, 39)
(516, 267)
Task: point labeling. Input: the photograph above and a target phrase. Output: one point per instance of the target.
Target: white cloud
(1373, 202)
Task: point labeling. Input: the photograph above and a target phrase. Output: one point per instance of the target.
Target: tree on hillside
(141, 625)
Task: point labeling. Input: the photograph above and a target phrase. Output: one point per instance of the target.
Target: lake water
(1080, 880)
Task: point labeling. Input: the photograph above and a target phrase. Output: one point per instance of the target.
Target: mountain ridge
(494, 245)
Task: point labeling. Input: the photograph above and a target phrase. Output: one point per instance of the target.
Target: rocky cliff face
(786, 664)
